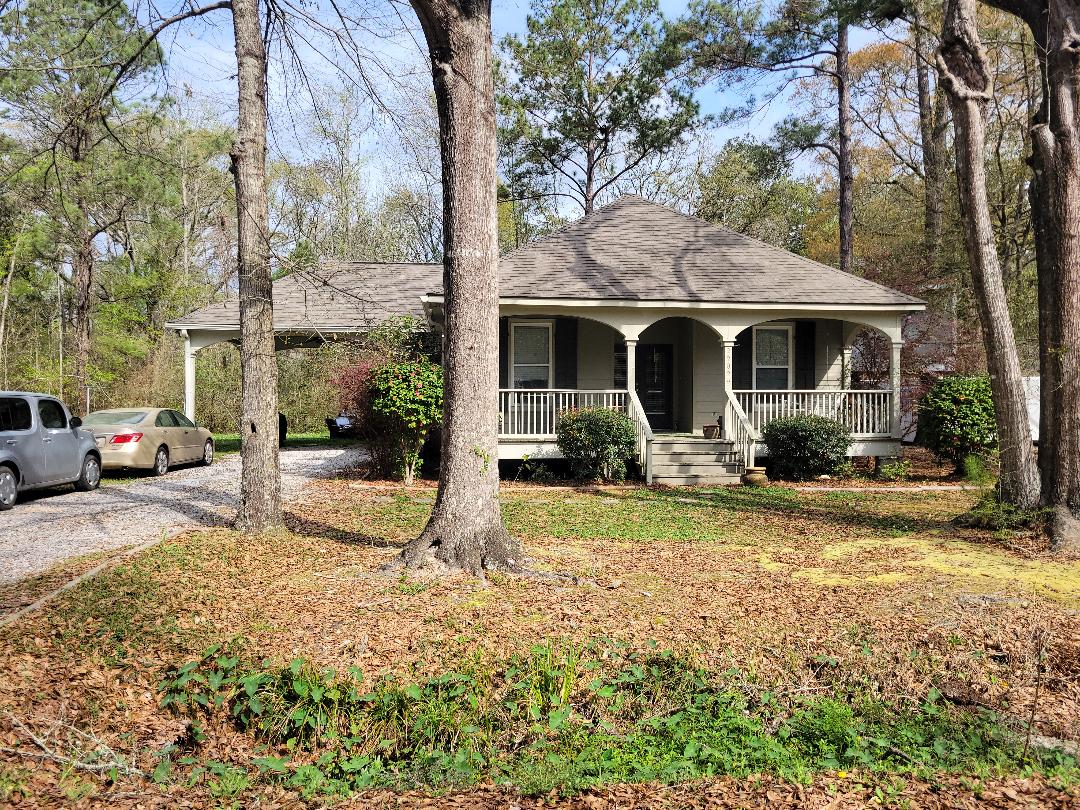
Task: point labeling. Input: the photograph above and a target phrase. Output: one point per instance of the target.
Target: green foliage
(592, 89)
(899, 470)
(597, 441)
(802, 447)
(565, 718)
(956, 418)
(749, 188)
(996, 515)
(406, 402)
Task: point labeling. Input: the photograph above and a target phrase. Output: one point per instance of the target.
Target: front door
(655, 384)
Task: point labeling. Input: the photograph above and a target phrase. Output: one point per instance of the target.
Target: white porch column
(729, 365)
(189, 378)
(631, 364)
(845, 367)
(894, 369)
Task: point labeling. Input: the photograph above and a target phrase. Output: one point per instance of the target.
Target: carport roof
(336, 297)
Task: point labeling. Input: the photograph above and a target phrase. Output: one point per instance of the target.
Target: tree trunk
(6, 301)
(932, 135)
(1055, 215)
(260, 478)
(82, 277)
(966, 76)
(843, 120)
(466, 529)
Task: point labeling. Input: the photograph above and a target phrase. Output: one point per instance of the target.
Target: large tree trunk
(466, 529)
(260, 478)
(1055, 214)
(932, 135)
(967, 78)
(847, 179)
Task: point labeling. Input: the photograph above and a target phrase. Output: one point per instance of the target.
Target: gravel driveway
(48, 527)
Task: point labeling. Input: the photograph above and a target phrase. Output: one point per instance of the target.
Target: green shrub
(802, 447)
(598, 442)
(898, 470)
(956, 419)
(406, 401)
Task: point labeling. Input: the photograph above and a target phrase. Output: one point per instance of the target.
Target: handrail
(645, 434)
(739, 430)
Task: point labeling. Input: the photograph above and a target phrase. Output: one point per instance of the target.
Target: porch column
(189, 378)
(845, 367)
(894, 369)
(729, 365)
(631, 364)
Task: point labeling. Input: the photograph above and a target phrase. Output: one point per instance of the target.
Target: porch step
(664, 468)
(688, 444)
(713, 479)
(694, 457)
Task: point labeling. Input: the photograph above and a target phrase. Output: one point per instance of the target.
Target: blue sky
(200, 55)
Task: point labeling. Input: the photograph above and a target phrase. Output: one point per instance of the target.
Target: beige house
(678, 322)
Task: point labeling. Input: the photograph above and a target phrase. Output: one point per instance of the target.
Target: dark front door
(655, 384)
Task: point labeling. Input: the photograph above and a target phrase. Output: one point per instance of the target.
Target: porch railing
(740, 431)
(535, 413)
(866, 413)
(644, 435)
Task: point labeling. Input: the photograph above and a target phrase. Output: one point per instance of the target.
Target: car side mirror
(75, 423)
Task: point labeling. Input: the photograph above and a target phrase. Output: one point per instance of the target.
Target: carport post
(189, 377)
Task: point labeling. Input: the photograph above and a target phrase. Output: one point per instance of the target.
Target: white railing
(739, 430)
(864, 413)
(644, 435)
(535, 413)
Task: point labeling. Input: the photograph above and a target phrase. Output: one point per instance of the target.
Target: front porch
(678, 374)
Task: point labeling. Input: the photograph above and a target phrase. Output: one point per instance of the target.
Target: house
(637, 307)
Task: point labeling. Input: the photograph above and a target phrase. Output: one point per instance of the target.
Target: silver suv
(41, 445)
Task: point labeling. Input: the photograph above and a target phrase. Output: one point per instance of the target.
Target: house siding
(596, 354)
(708, 354)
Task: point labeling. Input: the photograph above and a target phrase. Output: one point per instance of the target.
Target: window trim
(786, 326)
(549, 324)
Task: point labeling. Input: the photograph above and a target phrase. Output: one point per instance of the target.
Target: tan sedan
(148, 439)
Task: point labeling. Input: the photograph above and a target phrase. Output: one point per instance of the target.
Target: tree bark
(260, 478)
(1055, 213)
(466, 529)
(843, 120)
(932, 136)
(82, 277)
(966, 76)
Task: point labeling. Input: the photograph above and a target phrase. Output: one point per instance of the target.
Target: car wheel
(90, 477)
(161, 461)
(9, 488)
(208, 453)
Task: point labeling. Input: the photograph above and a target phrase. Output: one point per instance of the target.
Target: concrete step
(664, 469)
(695, 457)
(690, 445)
(695, 480)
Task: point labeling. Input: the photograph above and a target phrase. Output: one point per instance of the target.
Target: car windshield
(114, 418)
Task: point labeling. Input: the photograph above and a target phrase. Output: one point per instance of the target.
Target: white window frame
(789, 328)
(550, 326)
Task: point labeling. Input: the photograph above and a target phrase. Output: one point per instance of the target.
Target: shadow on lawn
(316, 529)
(851, 510)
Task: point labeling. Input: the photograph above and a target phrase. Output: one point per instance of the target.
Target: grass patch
(565, 718)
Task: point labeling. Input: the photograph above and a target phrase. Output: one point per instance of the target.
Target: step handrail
(645, 435)
(739, 429)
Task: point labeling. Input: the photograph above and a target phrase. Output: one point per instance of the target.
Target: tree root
(1065, 531)
(443, 548)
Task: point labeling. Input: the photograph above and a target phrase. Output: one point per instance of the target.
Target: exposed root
(444, 548)
(1065, 531)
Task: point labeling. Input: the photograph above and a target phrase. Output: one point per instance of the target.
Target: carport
(332, 302)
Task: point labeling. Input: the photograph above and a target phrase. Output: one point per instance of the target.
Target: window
(14, 414)
(52, 414)
(98, 418)
(772, 358)
(181, 420)
(165, 419)
(530, 354)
